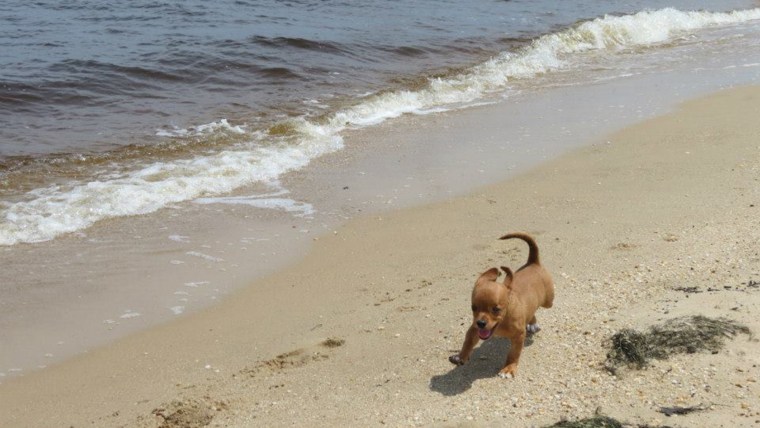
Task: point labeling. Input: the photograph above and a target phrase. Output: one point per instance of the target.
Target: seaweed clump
(599, 421)
(595, 422)
(684, 335)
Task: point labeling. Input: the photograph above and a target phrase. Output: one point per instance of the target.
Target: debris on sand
(595, 422)
(600, 421)
(333, 342)
(678, 410)
(187, 414)
(683, 335)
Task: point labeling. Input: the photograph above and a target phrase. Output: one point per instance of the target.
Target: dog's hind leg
(532, 327)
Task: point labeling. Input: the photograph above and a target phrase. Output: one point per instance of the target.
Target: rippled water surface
(78, 76)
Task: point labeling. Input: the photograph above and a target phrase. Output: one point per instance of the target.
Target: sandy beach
(652, 222)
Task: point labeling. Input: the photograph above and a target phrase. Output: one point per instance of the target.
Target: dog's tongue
(484, 334)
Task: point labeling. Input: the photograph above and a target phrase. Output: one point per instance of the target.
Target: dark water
(82, 76)
(111, 109)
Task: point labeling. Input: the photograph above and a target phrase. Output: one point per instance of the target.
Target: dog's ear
(489, 275)
(509, 275)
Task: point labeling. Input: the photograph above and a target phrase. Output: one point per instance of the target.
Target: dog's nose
(481, 323)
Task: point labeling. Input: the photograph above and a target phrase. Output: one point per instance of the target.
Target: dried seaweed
(678, 410)
(600, 421)
(595, 422)
(677, 336)
(333, 342)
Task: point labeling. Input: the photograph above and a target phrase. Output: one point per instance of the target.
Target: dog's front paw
(456, 360)
(508, 372)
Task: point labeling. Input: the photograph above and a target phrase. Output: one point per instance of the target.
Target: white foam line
(206, 129)
(299, 209)
(196, 284)
(129, 314)
(204, 256)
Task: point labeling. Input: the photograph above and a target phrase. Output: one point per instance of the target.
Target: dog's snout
(481, 323)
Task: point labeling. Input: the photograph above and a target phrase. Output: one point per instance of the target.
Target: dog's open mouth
(484, 333)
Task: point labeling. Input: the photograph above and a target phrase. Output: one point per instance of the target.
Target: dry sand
(358, 333)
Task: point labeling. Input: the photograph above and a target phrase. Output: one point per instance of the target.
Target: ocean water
(114, 109)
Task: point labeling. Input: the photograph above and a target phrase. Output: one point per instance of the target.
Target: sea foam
(48, 212)
(54, 210)
(267, 201)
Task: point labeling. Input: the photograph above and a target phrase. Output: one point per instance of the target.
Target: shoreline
(642, 207)
(189, 256)
(128, 274)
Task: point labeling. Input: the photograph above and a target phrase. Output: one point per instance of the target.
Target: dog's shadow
(486, 361)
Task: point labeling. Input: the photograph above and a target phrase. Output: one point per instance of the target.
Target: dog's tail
(533, 253)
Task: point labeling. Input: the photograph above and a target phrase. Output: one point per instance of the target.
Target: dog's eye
(474, 308)
(496, 311)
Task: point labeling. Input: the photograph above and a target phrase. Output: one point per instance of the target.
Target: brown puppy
(508, 309)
